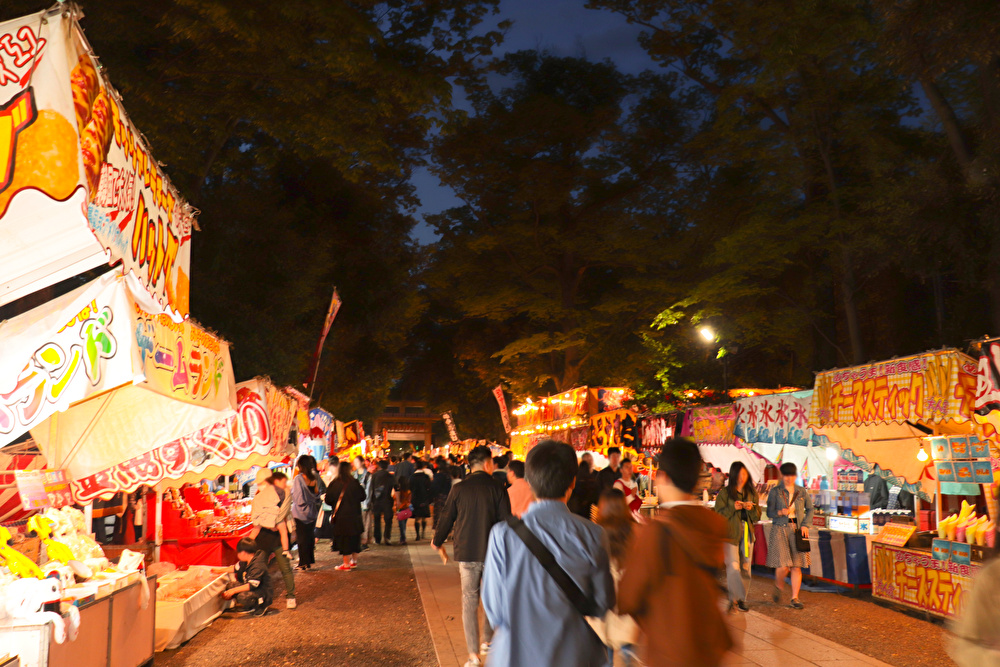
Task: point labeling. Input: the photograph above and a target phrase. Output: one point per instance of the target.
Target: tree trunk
(848, 289)
(949, 120)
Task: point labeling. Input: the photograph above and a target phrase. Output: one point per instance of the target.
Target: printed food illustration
(93, 117)
(959, 447)
(46, 158)
(964, 471)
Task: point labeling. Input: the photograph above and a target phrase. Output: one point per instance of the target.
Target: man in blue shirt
(534, 622)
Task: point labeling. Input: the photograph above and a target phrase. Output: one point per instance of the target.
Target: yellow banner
(932, 387)
(184, 361)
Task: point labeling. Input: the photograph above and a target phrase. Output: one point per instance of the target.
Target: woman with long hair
(737, 502)
(344, 495)
(305, 509)
(620, 632)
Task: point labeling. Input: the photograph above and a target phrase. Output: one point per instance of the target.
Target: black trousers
(305, 536)
(383, 512)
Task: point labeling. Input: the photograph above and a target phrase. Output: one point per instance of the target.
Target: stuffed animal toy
(27, 597)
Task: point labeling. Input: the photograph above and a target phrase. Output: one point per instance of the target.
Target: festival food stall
(889, 414)
(776, 427)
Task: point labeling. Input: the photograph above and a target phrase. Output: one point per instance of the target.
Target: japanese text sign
(62, 352)
(933, 387)
(917, 580)
(776, 418)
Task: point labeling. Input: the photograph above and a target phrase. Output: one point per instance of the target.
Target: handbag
(802, 544)
(404, 514)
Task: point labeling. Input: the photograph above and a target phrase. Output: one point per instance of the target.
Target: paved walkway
(761, 640)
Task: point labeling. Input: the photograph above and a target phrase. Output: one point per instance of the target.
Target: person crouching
(252, 588)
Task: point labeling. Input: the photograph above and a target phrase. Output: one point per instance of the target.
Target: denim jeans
(627, 652)
(402, 530)
(737, 570)
(472, 579)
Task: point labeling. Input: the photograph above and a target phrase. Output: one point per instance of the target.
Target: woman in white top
(629, 488)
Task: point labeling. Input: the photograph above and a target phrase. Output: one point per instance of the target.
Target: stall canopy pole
(158, 526)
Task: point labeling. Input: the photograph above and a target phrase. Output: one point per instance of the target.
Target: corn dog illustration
(95, 139)
(85, 86)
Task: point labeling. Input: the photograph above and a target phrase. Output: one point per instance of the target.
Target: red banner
(498, 394)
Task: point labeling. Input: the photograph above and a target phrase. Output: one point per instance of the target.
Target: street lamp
(708, 335)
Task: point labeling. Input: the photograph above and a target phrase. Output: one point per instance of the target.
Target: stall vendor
(877, 490)
(252, 588)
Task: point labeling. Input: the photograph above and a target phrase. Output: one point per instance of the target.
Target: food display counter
(187, 602)
(116, 630)
(200, 530)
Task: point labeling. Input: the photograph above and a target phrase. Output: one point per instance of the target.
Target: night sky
(564, 28)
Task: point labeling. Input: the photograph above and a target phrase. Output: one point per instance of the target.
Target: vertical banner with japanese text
(502, 402)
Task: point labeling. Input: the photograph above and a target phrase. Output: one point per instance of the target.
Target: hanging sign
(450, 423)
(31, 489)
(182, 360)
(931, 388)
(502, 402)
(135, 212)
(62, 352)
(42, 185)
(613, 429)
(714, 425)
(656, 430)
(775, 418)
(243, 434)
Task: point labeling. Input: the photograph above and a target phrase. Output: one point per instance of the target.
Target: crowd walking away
(559, 564)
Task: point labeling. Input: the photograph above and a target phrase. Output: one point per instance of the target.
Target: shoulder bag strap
(583, 603)
(339, 500)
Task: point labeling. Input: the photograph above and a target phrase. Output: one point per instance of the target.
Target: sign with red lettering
(931, 388)
(917, 580)
(31, 489)
(245, 433)
(43, 189)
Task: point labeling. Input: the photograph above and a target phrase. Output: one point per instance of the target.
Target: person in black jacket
(344, 495)
(252, 588)
(607, 477)
(473, 507)
(440, 487)
(420, 498)
(383, 482)
(585, 492)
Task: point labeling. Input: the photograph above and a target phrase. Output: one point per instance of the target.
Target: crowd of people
(565, 567)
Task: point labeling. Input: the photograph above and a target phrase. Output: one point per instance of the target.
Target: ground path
(402, 607)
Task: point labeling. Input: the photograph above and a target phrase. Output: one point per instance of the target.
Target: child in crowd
(252, 588)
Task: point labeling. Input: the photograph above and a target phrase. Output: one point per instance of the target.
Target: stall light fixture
(922, 454)
(832, 453)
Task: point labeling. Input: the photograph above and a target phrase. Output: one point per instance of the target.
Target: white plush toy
(25, 599)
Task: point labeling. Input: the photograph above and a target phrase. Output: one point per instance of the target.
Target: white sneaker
(290, 603)
(474, 662)
(484, 648)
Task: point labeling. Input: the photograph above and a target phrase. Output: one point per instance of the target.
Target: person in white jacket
(270, 512)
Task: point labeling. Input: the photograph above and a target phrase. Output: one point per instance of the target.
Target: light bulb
(922, 454)
(832, 454)
(707, 334)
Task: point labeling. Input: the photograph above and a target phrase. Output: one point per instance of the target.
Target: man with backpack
(672, 570)
(546, 573)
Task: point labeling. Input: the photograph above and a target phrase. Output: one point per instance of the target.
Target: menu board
(896, 534)
(39, 489)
